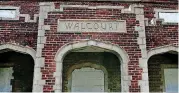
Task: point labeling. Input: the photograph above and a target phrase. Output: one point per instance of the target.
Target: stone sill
(168, 23)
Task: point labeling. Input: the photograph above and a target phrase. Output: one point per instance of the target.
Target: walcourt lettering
(91, 26)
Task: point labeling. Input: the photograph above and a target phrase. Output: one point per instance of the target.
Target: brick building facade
(50, 44)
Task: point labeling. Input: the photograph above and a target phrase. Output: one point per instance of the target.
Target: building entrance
(16, 71)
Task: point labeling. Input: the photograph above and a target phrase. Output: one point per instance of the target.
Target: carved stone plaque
(91, 25)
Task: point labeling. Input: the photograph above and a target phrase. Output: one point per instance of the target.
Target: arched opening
(163, 70)
(83, 72)
(16, 68)
(111, 57)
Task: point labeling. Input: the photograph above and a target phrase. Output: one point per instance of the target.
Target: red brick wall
(128, 40)
(55, 40)
(160, 35)
(26, 33)
(19, 31)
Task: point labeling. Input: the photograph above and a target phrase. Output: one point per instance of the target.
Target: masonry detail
(124, 45)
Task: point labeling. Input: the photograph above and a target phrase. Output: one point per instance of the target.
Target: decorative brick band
(121, 54)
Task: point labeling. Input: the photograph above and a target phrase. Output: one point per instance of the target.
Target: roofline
(127, 1)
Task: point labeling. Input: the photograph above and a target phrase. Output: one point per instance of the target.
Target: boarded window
(171, 17)
(171, 80)
(87, 80)
(5, 79)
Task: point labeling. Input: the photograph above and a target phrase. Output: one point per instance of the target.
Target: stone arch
(118, 51)
(20, 49)
(160, 50)
(92, 65)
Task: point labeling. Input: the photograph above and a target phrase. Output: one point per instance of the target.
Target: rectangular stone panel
(5, 79)
(87, 80)
(171, 80)
(171, 17)
(91, 25)
(7, 13)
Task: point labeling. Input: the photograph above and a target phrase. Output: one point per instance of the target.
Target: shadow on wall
(157, 67)
(18, 66)
(108, 60)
